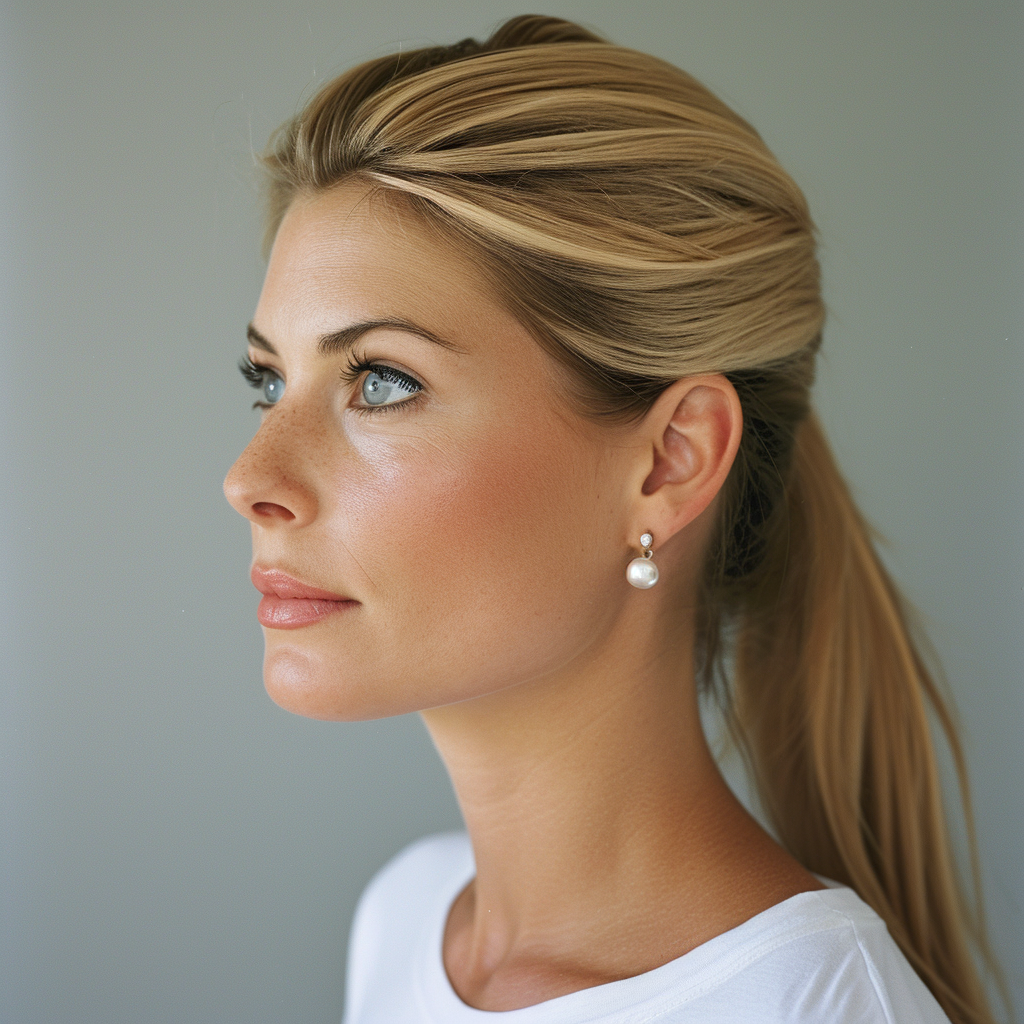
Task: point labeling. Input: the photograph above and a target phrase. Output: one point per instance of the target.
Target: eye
(264, 379)
(382, 387)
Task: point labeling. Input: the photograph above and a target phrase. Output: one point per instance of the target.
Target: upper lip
(280, 584)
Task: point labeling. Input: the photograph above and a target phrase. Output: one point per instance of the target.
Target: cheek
(499, 556)
(457, 512)
(479, 563)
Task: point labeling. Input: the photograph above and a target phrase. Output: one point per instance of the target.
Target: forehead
(351, 254)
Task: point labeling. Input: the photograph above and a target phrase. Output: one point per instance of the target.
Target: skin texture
(484, 527)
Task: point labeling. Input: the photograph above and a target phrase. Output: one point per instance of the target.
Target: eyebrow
(343, 339)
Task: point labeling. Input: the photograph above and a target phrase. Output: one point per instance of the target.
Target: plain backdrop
(174, 847)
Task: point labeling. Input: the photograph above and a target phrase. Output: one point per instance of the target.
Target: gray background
(173, 847)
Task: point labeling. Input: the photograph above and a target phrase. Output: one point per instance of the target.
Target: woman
(536, 460)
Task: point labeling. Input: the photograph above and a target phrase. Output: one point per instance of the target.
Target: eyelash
(255, 374)
(356, 367)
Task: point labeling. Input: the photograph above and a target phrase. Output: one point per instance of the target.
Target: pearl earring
(642, 572)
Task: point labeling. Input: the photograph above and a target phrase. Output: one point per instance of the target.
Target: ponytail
(832, 701)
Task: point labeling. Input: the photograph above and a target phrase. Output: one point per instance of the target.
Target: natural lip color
(290, 604)
(276, 583)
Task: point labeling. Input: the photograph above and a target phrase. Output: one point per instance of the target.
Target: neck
(591, 797)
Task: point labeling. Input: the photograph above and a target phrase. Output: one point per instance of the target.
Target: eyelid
(357, 364)
(248, 367)
(261, 362)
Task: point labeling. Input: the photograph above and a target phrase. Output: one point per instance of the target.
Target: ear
(690, 438)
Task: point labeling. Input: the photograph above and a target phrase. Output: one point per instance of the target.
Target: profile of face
(420, 457)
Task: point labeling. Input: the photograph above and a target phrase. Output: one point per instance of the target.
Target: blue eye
(383, 383)
(273, 387)
(383, 388)
(264, 379)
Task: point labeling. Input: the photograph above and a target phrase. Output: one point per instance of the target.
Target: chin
(304, 684)
(301, 684)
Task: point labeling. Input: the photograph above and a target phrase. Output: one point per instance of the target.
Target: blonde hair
(644, 232)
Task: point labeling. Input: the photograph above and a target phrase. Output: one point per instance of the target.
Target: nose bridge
(273, 475)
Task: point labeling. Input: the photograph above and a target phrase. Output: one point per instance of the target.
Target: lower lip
(294, 612)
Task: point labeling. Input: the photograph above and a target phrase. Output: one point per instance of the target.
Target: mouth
(289, 603)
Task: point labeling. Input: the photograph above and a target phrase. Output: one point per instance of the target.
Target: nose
(266, 482)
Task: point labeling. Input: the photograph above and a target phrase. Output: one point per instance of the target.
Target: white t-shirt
(821, 957)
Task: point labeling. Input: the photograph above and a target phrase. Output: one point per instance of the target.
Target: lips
(289, 603)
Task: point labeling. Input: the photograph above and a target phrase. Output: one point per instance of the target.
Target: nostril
(272, 509)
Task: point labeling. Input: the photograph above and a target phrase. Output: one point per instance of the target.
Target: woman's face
(448, 490)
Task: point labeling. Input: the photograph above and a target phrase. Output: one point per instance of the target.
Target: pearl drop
(642, 573)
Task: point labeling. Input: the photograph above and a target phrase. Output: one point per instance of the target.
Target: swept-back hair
(644, 232)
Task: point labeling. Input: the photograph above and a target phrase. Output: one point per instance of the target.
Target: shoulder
(417, 872)
(398, 910)
(818, 958)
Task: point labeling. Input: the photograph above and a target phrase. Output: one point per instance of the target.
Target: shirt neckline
(686, 976)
